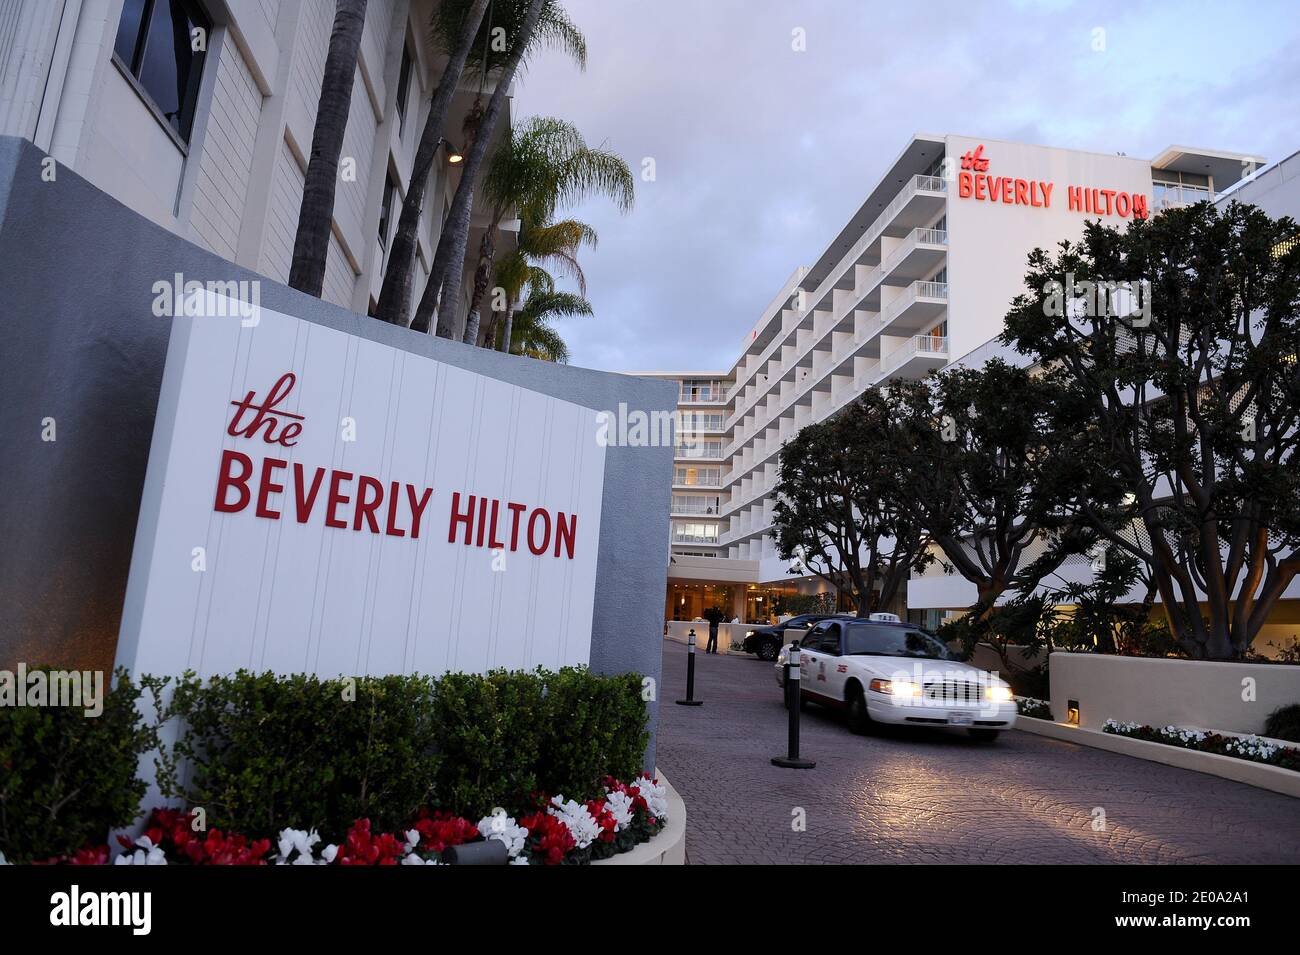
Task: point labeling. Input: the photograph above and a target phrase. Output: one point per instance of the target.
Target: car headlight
(897, 688)
(998, 694)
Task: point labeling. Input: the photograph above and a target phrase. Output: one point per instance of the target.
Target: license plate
(960, 719)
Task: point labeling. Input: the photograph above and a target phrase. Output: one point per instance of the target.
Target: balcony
(918, 355)
(918, 202)
(695, 509)
(706, 453)
(920, 305)
(702, 396)
(680, 538)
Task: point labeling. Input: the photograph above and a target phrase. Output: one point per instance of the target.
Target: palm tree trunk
(449, 261)
(315, 215)
(509, 326)
(395, 296)
(482, 275)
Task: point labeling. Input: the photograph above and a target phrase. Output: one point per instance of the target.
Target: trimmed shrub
(490, 729)
(1284, 723)
(266, 751)
(66, 778)
(595, 727)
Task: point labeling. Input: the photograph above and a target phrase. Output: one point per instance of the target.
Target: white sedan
(880, 670)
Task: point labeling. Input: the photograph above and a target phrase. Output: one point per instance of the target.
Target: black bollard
(487, 852)
(690, 674)
(792, 695)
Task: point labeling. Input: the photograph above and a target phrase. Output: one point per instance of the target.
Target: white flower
(503, 828)
(3, 860)
(413, 858)
(582, 824)
(298, 841)
(519, 860)
(328, 853)
(655, 795)
(619, 805)
(145, 853)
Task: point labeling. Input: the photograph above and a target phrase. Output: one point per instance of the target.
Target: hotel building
(921, 275)
(198, 115)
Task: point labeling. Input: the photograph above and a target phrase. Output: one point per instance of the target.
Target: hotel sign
(975, 182)
(319, 502)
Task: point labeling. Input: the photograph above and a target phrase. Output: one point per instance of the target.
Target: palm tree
(542, 164)
(454, 28)
(316, 214)
(525, 22)
(534, 335)
(555, 244)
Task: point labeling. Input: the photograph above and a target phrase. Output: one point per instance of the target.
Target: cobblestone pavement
(932, 796)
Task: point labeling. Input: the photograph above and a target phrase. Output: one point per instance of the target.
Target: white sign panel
(321, 503)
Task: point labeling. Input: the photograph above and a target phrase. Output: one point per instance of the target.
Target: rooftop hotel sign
(975, 181)
(324, 503)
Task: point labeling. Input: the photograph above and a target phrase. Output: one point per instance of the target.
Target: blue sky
(762, 152)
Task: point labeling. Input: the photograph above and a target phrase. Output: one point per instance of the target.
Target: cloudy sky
(761, 152)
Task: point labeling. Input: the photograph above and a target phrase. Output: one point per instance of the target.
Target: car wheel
(859, 717)
(983, 735)
(767, 650)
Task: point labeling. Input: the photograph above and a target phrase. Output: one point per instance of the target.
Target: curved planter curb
(667, 848)
(1262, 775)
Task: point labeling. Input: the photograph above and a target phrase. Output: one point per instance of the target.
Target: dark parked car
(766, 641)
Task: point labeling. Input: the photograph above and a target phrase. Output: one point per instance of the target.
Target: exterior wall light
(1072, 712)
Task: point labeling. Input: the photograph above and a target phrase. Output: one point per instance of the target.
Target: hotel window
(386, 210)
(403, 88)
(704, 477)
(155, 47)
(690, 533)
(697, 389)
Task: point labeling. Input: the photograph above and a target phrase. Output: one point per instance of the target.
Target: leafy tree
(554, 244)
(837, 513)
(1181, 413)
(542, 164)
(969, 447)
(526, 23)
(454, 27)
(535, 336)
(315, 215)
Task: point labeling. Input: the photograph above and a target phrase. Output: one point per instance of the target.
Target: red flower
(549, 839)
(440, 830)
(363, 848)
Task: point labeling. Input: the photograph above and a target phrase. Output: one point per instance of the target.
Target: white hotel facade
(919, 277)
(212, 143)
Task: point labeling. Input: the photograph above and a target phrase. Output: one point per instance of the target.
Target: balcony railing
(694, 539)
(697, 453)
(931, 236)
(702, 395)
(932, 346)
(695, 507)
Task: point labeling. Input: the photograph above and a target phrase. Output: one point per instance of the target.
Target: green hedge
(259, 752)
(66, 778)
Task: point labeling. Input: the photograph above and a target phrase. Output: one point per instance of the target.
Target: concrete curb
(667, 848)
(1275, 778)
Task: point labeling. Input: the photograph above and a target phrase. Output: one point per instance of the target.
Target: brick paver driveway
(933, 797)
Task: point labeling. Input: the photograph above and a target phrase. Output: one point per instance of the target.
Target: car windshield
(867, 640)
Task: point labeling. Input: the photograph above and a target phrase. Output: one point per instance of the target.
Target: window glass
(830, 640)
(155, 41)
(888, 641)
(128, 31)
(386, 209)
(403, 87)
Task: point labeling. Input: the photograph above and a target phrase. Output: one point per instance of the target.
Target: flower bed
(558, 831)
(1035, 709)
(1251, 748)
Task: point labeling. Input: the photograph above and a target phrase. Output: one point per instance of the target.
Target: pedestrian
(715, 617)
